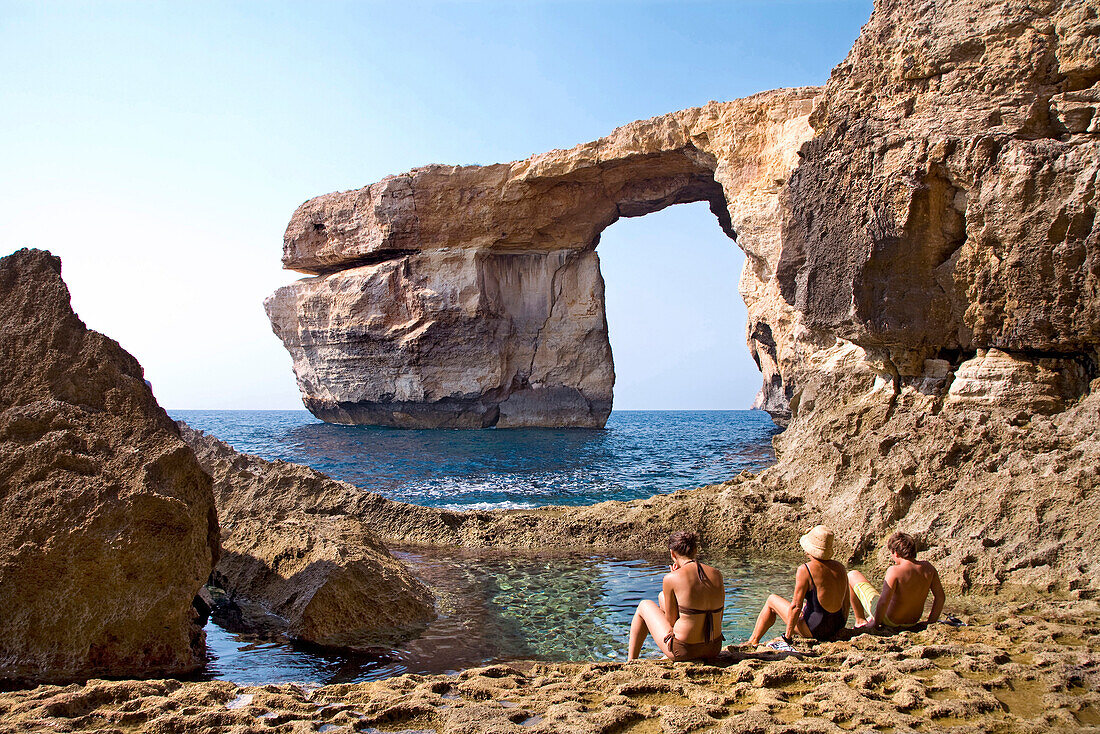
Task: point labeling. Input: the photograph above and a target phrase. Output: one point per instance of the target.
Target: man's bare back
(904, 590)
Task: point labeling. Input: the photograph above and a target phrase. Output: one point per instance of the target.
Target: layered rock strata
(107, 521)
(295, 564)
(471, 296)
(922, 280)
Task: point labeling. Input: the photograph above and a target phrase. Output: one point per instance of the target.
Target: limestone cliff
(107, 524)
(940, 253)
(922, 280)
(471, 296)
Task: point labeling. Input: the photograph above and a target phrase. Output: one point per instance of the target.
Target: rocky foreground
(1020, 667)
(107, 523)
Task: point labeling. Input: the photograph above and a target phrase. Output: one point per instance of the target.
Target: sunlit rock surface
(922, 281)
(1015, 668)
(297, 562)
(471, 296)
(940, 252)
(107, 524)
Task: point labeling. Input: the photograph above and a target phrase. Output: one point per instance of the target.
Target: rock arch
(471, 296)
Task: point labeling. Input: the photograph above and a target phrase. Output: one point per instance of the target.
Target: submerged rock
(107, 522)
(295, 564)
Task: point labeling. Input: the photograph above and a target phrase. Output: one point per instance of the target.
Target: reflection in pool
(496, 607)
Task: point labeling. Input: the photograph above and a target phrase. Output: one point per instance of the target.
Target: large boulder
(107, 521)
(298, 560)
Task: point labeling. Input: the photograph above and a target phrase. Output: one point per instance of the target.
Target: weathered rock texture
(1017, 669)
(296, 564)
(940, 254)
(107, 523)
(471, 296)
(922, 281)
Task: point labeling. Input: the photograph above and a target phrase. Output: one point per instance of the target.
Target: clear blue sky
(160, 149)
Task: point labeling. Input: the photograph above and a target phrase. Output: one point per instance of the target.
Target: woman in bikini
(686, 621)
(819, 607)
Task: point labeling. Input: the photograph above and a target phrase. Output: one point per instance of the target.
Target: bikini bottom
(682, 651)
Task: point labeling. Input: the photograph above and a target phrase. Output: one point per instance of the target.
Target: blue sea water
(503, 606)
(638, 454)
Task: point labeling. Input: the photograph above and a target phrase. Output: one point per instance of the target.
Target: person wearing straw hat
(819, 606)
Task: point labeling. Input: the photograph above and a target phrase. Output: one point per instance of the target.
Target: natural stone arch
(471, 296)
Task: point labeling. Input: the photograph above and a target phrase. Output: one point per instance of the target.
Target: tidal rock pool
(496, 607)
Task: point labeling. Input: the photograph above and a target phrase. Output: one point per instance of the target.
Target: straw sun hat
(818, 542)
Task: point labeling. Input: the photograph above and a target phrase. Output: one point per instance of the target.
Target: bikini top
(708, 623)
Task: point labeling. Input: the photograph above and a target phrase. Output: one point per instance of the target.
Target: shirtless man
(900, 604)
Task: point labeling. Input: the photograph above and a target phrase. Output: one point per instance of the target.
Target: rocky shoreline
(923, 264)
(1018, 666)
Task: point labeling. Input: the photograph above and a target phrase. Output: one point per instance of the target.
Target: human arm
(938, 597)
(672, 608)
(885, 597)
(801, 586)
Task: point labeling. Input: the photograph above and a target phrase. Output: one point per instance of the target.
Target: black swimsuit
(823, 625)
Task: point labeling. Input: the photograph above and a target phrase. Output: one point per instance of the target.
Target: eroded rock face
(107, 522)
(922, 281)
(297, 562)
(472, 296)
(940, 254)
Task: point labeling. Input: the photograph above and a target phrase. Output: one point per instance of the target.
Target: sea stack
(107, 522)
(471, 296)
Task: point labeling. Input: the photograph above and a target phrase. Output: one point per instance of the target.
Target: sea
(497, 606)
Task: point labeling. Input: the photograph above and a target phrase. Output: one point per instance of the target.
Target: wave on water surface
(639, 454)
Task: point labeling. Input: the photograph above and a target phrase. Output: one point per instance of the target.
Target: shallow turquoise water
(498, 608)
(639, 454)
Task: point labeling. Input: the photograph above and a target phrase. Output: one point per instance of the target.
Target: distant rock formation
(107, 523)
(471, 296)
(296, 562)
(922, 280)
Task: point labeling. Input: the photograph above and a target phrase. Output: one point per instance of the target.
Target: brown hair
(903, 545)
(684, 543)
